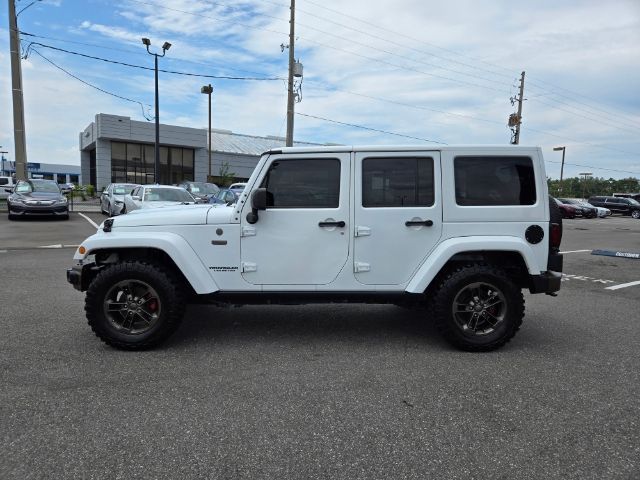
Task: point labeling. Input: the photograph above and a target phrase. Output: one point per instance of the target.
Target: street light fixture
(557, 149)
(208, 90)
(156, 166)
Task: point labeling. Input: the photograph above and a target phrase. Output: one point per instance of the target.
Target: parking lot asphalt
(320, 391)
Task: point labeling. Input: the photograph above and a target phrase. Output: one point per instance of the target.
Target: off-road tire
(451, 284)
(171, 299)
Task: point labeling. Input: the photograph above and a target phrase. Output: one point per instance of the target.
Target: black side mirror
(258, 202)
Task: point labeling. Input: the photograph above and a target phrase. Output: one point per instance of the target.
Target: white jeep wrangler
(459, 230)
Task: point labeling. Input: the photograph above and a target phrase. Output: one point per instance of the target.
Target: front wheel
(134, 305)
(478, 308)
(635, 214)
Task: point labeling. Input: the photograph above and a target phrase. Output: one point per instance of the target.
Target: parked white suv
(459, 230)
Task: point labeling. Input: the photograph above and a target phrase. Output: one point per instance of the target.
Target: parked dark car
(635, 196)
(567, 211)
(581, 209)
(226, 196)
(624, 206)
(37, 197)
(201, 191)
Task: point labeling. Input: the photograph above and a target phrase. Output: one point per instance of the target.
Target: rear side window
(4, 181)
(303, 183)
(397, 182)
(491, 181)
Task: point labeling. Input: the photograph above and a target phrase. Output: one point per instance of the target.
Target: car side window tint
(397, 182)
(494, 181)
(303, 183)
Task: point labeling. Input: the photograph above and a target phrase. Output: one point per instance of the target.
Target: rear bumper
(546, 282)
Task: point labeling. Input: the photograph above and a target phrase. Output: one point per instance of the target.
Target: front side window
(397, 182)
(493, 181)
(298, 183)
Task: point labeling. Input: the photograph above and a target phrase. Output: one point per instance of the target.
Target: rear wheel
(635, 214)
(134, 305)
(478, 308)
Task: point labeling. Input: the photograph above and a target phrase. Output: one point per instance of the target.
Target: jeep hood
(176, 215)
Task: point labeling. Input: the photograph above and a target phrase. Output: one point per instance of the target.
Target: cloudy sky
(375, 72)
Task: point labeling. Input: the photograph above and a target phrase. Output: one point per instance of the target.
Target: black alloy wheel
(134, 305)
(477, 307)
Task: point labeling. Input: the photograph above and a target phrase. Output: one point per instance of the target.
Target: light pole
(208, 89)
(156, 167)
(557, 149)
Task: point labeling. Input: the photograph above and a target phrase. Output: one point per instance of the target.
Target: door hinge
(359, 267)
(362, 231)
(249, 267)
(248, 231)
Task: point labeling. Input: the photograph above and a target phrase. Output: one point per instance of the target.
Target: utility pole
(290, 92)
(515, 119)
(18, 102)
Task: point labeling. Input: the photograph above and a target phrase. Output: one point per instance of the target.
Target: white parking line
(623, 285)
(576, 251)
(88, 220)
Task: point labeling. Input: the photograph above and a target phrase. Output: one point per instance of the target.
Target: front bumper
(80, 276)
(24, 209)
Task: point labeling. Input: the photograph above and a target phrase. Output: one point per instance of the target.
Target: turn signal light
(555, 235)
(82, 250)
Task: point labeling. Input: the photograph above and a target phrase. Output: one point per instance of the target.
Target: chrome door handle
(418, 223)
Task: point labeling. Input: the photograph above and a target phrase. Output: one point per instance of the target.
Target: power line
(595, 168)
(395, 54)
(142, 105)
(174, 72)
(596, 120)
(137, 52)
(329, 88)
(369, 128)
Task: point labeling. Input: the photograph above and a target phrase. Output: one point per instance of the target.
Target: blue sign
(31, 166)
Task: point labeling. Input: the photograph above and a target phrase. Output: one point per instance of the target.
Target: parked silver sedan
(153, 196)
(112, 198)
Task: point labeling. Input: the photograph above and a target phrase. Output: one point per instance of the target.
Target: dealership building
(48, 171)
(114, 148)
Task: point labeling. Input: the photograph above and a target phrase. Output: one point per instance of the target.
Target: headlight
(119, 202)
(16, 200)
(62, 201)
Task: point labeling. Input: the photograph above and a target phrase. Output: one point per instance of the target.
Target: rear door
(398, 214)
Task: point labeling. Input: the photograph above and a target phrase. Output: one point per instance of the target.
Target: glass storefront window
(134, 163)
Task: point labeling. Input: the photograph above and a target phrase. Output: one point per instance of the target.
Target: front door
(398, 214)
(302, 237)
